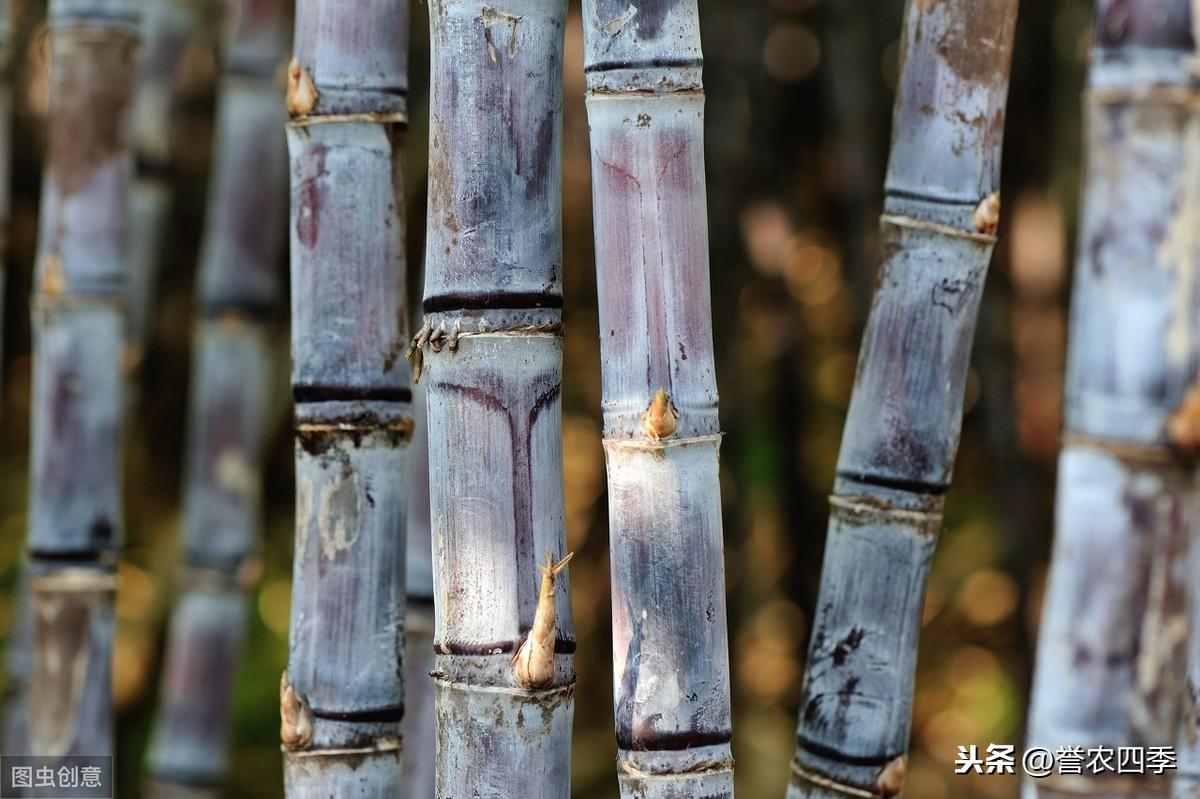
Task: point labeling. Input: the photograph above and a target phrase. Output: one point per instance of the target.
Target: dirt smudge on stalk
(972, 42)
(308, 210)
(648, 18)
(92, 89)
(615, 25)
(847, 645)
(950, 295)
(337, 517)
(492, 16)
(304, 493)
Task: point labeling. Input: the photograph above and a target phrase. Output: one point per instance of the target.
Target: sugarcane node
(1183, 426)
(987, 214)
(301, 92)
(661, 417)
(890, 781)
(533, 664)
(295, 717)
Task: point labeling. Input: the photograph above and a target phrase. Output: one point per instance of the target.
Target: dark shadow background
(798, 117)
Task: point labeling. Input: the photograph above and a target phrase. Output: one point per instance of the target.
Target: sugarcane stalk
(491, 354)
(645, 107)
(167, 26)
(342, 698)
(941, 212)
(79, 303)
(418, 727)
(238, 293)
(1112, 648)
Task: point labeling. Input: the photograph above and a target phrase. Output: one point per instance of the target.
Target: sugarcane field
(599, 399)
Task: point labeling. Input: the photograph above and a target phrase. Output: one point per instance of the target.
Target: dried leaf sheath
(1112, 646)
(905, 414)
(346, 93)
(78, 320)
(492, 353)
(237, 296)
(670, 649)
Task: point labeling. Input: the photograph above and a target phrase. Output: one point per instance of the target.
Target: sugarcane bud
(890, 781)
(249, 571)
(987, 215)
(661, 418)
(53, 282)
(131, 358)
(533, 665)
(301, 93)
(1183, 426)
(295, 717)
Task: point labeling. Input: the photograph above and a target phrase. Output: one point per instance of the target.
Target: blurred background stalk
(167, 28)
(238, 299)
(1112, 646)
(79, 316)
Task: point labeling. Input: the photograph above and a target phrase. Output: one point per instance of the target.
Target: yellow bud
(301, 92)
(661, 417)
